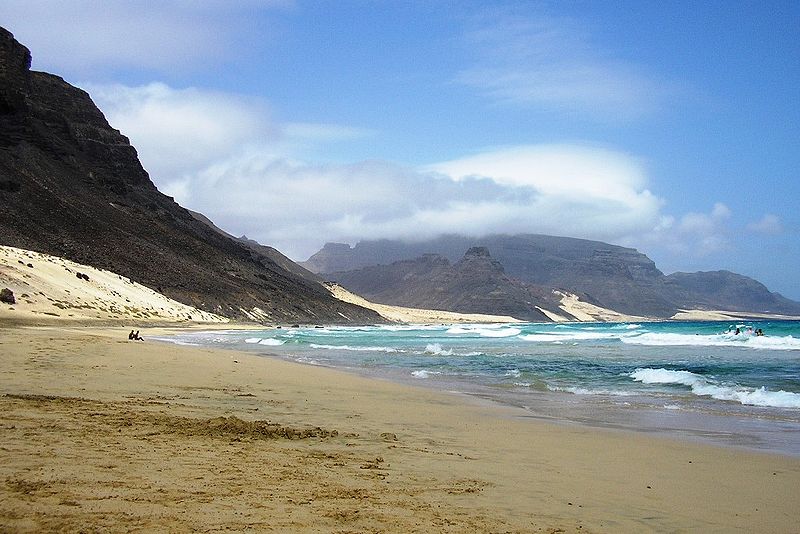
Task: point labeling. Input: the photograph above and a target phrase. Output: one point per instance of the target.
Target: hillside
(613, 277)
(474, 284)
(47, 289)
(72, 186)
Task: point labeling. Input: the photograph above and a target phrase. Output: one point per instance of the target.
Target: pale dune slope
(416, 315)
(48, 288)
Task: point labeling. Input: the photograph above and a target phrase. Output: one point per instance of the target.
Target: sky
(671, 127)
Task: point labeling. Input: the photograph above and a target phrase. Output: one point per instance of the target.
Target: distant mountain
(724, 290)
(608, 275)
(614, 277)
(475, 284)
(72, 186)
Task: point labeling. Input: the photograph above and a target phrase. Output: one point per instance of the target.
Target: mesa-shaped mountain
(614, 277)
(72, 186)
(475, 284)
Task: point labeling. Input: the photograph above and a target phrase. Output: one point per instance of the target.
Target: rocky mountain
(475, 284)
(264, 250)
(72, 186)
(611, 276)
(724, 290)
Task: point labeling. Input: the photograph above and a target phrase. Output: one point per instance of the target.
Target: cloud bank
(222, 155)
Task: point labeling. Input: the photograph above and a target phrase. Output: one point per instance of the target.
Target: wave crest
(703, 386)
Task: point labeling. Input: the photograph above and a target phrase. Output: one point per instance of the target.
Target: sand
(99, 433)
(48, 290)
(723, 315)
(402, 314)
(569, 303)
(585, 311)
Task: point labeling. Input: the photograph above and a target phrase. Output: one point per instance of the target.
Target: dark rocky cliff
(476, 283)
(73, 186)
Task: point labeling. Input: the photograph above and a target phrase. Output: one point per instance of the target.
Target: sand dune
(570, 305)
(417, 315)
(584, 311)
(49, 289)
(723, 315)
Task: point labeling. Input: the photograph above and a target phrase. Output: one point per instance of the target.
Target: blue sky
(672, 127)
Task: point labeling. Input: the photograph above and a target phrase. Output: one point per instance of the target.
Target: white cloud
(222, 155)
(693, 234)
(78, 35)
(556, 169)
(769, 224)
(179, 132)
(552, 64)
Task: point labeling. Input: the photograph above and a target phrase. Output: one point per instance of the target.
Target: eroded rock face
(71, 185)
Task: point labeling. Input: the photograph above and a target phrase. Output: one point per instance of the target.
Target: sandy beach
(101, 433)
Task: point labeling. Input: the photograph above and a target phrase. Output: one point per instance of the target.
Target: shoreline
(695, 419)
(117, 435)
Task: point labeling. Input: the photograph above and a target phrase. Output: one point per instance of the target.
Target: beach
(102, 433)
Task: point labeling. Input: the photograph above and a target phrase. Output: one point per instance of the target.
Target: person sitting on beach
(130, 336)
(137, 337)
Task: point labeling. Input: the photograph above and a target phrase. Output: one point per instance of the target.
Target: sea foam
(355, 349)
(714, 340)
(272, 342)
(424, 373)
(577, 390)
(437, 350)
(703, 386)
(560, 337)
(485, 331)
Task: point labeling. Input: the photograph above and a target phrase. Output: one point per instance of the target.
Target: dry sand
(584, 311)
(569, 304)
(416, 315)
(48, 290)
(722, 315)
(99, 433)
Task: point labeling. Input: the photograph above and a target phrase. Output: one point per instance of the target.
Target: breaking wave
(715, 340)
(270, 341)
(706, 387)
(485, 331)
(424, 373)
(561, 337)
(437, 350)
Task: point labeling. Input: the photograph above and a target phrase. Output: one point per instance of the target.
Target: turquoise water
(693, 379)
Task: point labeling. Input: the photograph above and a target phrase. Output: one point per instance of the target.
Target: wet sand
(100, 433)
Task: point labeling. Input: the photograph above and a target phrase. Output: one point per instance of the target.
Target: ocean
(691, 380)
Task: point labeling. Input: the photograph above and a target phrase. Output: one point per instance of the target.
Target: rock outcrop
(476, 283)
(72, 186)
(618, 278)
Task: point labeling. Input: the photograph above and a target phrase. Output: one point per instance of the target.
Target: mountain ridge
(476, 283)
(614, 277)
(72, 186)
